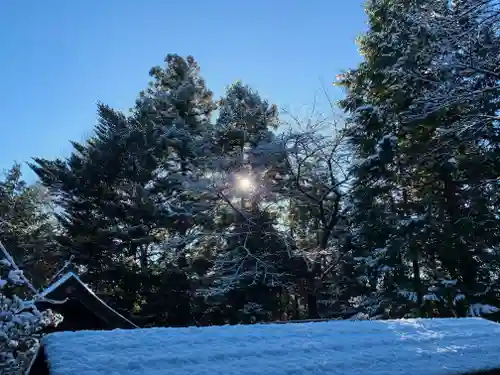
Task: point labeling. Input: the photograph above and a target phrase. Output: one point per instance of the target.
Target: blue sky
(60, 57)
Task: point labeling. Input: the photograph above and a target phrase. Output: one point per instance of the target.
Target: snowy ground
(419, 347)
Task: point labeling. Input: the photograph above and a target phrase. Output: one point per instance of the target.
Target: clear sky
(59, 57)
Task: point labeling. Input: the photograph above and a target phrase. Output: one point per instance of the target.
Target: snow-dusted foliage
(423, 115)
(246, 156)
(232, 221)
(463, 59)
(478, 309)
(20, 322)
(177, 107)
(245, 147)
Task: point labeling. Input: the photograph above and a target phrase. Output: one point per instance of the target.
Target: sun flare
(244, 183)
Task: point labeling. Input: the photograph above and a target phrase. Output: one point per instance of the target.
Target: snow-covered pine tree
(250, 267)
(461, 89)
(87, 187)
(386, 263)
(94, 187)
(178, 106)
(464, 71)
(20, 321)
(131, 194)
(440, 258)
(27, 225)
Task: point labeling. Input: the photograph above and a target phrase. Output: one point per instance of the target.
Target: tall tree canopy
(181, 214)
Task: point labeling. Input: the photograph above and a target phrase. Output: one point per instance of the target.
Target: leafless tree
(304, 168)
(317, 160)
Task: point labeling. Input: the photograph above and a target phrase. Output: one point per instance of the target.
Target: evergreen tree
(379, 197)
(129, 192)
(250, 265)
(422, 246)
(464, 81)
(184, 221)
(27, 226)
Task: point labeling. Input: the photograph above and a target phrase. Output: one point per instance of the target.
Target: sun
(244, 183)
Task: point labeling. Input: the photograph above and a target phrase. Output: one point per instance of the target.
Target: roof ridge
(69, 275)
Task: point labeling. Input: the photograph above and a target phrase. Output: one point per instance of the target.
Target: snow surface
(414, 346)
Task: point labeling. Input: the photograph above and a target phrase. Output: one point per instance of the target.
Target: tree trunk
(296, 309)
(143, 259)
(417, 286)
(312, 299)
(312, 306)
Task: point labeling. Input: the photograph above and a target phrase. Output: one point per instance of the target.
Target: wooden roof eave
(71, 285)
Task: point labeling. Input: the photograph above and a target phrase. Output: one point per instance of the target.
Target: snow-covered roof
(70, 277)
(55, 285)
(418, 346)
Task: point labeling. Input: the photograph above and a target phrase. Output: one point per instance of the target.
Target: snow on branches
(20, 321)
(462, 70)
